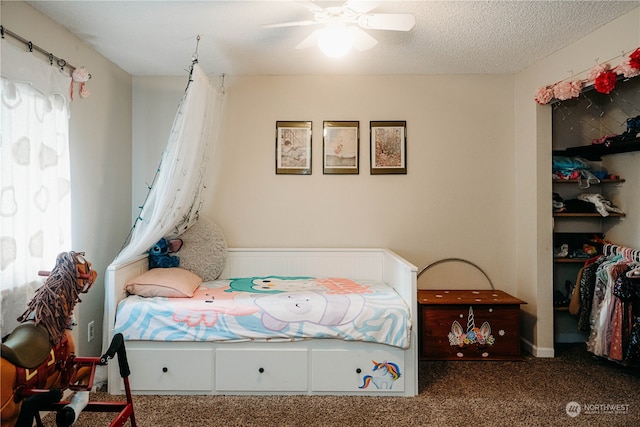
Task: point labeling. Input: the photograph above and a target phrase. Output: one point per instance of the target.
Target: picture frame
(388, 147)
(341, 147)
(293, 147)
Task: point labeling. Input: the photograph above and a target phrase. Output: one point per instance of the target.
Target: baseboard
(535, 350)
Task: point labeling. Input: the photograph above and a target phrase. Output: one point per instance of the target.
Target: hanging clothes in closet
(610, 304)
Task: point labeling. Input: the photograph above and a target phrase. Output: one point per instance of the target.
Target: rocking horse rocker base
(66, 414)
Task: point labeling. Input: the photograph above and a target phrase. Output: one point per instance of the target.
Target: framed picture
(388, 147)
(293, 148)
(341, 147)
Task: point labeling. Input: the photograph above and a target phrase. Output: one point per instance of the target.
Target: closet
(577, 124)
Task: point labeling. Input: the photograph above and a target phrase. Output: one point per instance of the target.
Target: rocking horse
(38, 358)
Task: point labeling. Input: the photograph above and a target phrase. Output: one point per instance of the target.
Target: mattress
(271, 308)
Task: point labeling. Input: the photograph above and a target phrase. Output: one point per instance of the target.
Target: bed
(352, 363)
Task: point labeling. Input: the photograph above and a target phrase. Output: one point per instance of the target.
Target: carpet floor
(533, 392)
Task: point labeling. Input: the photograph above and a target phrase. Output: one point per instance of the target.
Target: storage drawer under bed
(158, 368)
(261, 370)
(371, 371)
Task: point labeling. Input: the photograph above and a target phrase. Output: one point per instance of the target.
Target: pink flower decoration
(605, 82)
(603, 77)
(576, 87)
(544, 95)
(634, 58)
(627, 70)
(80, 75)
(597, 70)
(567, 90)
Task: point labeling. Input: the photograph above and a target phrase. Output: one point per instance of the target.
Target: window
(35, 205)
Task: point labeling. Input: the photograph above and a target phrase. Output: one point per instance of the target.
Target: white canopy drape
(175, 196)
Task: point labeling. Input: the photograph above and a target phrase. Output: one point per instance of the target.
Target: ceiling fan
(343, 26)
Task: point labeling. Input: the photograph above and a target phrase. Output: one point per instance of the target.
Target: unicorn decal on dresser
(387, 374)
(479, 336)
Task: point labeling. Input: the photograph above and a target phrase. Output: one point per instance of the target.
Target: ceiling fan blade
(311, 6)
(361, 39)
(310, 41)
(388, 21)
(290, 24)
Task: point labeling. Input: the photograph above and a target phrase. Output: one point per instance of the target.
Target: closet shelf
(595, 152)
(586, 215)
(576, 181)
(570, 260)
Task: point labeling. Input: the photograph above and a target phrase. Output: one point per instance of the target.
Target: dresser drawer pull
(261, 370)
(165, 369)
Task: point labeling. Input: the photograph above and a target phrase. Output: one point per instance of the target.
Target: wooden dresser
(469, 325)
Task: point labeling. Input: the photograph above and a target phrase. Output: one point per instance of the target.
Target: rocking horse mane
(53, 303)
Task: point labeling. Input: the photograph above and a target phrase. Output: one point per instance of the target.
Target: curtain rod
(59, 61)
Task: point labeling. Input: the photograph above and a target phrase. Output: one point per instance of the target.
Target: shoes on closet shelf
(562, 251)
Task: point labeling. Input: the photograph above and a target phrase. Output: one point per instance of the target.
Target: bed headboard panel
(357, 264)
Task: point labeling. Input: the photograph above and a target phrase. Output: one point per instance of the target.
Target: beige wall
(533, 165)
(100, 145)
(455, 201)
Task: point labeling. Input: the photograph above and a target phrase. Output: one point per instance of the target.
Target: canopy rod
(194, 57)
(194, 61)
(59, 61)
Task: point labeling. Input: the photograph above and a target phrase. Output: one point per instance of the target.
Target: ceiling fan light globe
(335, 42)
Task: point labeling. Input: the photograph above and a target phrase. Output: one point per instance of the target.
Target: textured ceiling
(450, 37)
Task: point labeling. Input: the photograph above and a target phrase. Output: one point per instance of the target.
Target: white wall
(533, 163)
(455, 201)
(100, 146)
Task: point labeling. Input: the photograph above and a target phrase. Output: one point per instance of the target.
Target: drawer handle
(165, 369)
(261, 370)
(358, 370)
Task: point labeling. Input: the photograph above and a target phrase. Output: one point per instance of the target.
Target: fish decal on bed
(323, 309)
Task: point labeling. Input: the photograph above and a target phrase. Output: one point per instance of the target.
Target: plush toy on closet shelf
(160, 254)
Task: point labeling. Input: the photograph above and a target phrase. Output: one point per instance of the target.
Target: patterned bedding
(271, 308)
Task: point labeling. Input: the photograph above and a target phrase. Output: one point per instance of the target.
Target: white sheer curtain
(175, 196)
(35, 201)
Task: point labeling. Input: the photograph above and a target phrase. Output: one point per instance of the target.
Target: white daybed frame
(313, 367)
